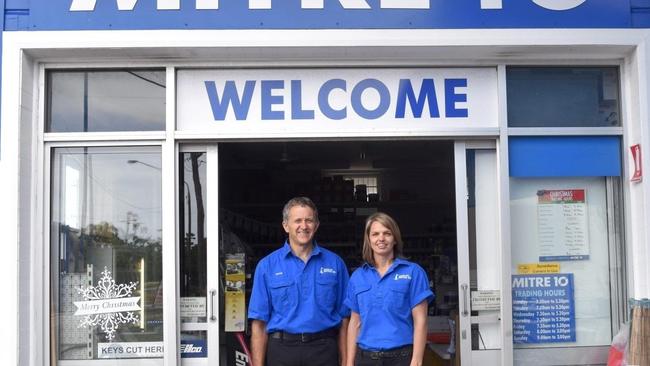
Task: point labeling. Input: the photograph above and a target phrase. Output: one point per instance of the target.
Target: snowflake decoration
(107, 289)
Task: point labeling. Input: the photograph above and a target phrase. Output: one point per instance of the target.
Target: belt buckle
(376, 355)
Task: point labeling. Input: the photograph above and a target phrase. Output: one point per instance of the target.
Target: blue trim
(572, 156)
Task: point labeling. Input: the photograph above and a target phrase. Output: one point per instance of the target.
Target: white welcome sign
(336, 102)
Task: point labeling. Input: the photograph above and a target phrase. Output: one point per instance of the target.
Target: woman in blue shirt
(388, 296)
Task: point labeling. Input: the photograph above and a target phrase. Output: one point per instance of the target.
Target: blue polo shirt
(297, 297)
(384, 304)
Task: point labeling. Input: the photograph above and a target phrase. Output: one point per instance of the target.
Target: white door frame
(211, 326)
(212, 252)
(467, 355)
(46, 354)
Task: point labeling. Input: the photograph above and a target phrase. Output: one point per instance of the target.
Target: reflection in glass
(106, 252)
(563, 97)
(193, 262)
(101, 101)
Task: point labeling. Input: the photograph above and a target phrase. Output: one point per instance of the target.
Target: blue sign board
(316, 14)
(194, 348)
(543, 308)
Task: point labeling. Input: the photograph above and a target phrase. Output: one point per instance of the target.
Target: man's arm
(343, 333)
(353, 333)
(419, 313)
(259, 339)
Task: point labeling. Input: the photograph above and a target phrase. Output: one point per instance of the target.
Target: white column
(637, 125)
(171, 319)
(9, 177)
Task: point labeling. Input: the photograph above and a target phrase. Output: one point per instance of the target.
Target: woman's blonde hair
(391, 225)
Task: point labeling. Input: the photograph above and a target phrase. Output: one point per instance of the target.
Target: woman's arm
(353, 333)
(419, 313)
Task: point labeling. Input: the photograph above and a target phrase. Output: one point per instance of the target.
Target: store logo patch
(324, 270)
(402, 277)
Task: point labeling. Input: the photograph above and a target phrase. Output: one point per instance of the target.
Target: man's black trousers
(318, 352)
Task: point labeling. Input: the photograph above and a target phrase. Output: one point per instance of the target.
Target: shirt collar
(286, 249)
(396, 262)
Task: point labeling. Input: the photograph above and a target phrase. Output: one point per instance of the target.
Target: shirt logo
(324, 270)
(402, 277)
(278, 273)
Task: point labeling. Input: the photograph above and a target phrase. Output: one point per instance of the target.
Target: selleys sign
(324, 102)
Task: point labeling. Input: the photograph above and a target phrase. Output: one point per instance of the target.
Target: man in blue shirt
(297, 301)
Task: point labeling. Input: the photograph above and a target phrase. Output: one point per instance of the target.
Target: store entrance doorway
(243, 187)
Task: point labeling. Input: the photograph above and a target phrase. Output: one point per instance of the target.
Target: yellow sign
(537, 268)
(235, 293)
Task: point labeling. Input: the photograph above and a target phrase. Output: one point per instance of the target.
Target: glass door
(479, 330)
(106, 252)
(198, 256)
(212, 279)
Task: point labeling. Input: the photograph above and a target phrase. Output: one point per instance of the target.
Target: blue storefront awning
(566, 156)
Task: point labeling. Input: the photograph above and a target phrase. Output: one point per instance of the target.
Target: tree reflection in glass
(193, 241)
(105, 239)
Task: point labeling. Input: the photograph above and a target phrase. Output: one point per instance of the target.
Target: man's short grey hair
(298, 201)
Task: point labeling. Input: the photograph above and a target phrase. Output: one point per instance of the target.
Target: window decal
(108, 305)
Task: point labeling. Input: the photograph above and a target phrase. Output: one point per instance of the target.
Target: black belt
(389, 353)
(305, 337)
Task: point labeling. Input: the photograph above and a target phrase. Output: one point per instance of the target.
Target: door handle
(212, 316)
(465, 300)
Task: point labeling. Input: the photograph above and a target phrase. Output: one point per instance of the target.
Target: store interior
(413, 181)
